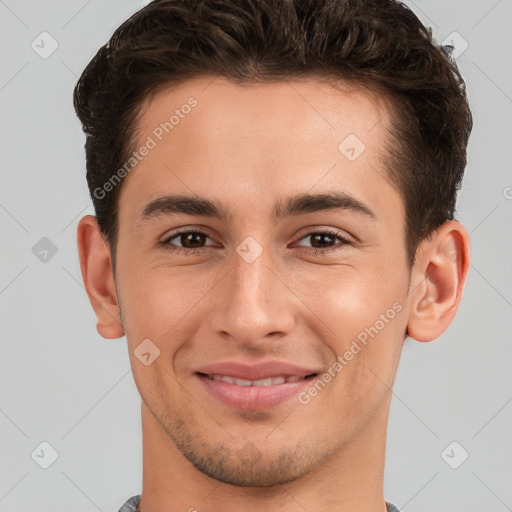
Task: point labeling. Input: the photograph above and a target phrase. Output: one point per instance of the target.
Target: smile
(270, 381)
(253, 395)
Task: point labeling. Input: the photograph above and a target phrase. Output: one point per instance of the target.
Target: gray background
(63, 384)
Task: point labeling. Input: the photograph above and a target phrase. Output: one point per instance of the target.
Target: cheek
(156, 301)
(365, 339)
(365, 316)
(348, 299)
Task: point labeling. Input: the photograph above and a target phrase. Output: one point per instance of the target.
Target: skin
(250, 147)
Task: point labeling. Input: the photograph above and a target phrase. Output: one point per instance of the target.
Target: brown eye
(324, 242)
(318, 240)
(190, 242)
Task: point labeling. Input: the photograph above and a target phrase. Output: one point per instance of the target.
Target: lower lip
(253, 398)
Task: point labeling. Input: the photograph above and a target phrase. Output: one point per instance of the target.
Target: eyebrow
(294, 205)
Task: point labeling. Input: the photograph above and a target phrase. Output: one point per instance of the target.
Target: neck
(349, 481)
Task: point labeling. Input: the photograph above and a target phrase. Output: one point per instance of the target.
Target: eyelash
(165, 244)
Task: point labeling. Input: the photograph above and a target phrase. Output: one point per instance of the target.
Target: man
(274, 185)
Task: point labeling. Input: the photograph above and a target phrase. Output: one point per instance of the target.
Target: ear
(437, 281)
(98, 277)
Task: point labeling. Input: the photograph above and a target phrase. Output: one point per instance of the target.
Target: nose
(254, 304)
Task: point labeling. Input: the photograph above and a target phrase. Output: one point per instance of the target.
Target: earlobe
(438, 280)
(97, 275)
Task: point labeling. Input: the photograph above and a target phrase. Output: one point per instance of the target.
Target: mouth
(269, 381)
(254, 395)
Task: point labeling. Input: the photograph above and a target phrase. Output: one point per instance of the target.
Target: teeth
(270, 381)
(240, 382)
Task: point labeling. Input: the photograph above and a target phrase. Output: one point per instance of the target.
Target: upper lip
(256, 371)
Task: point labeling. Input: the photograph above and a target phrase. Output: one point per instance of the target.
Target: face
(254, 278)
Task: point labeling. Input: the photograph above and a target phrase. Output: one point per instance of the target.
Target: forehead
(210, 136)
(307, 105)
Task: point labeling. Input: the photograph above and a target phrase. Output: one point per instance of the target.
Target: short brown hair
(379, 44)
